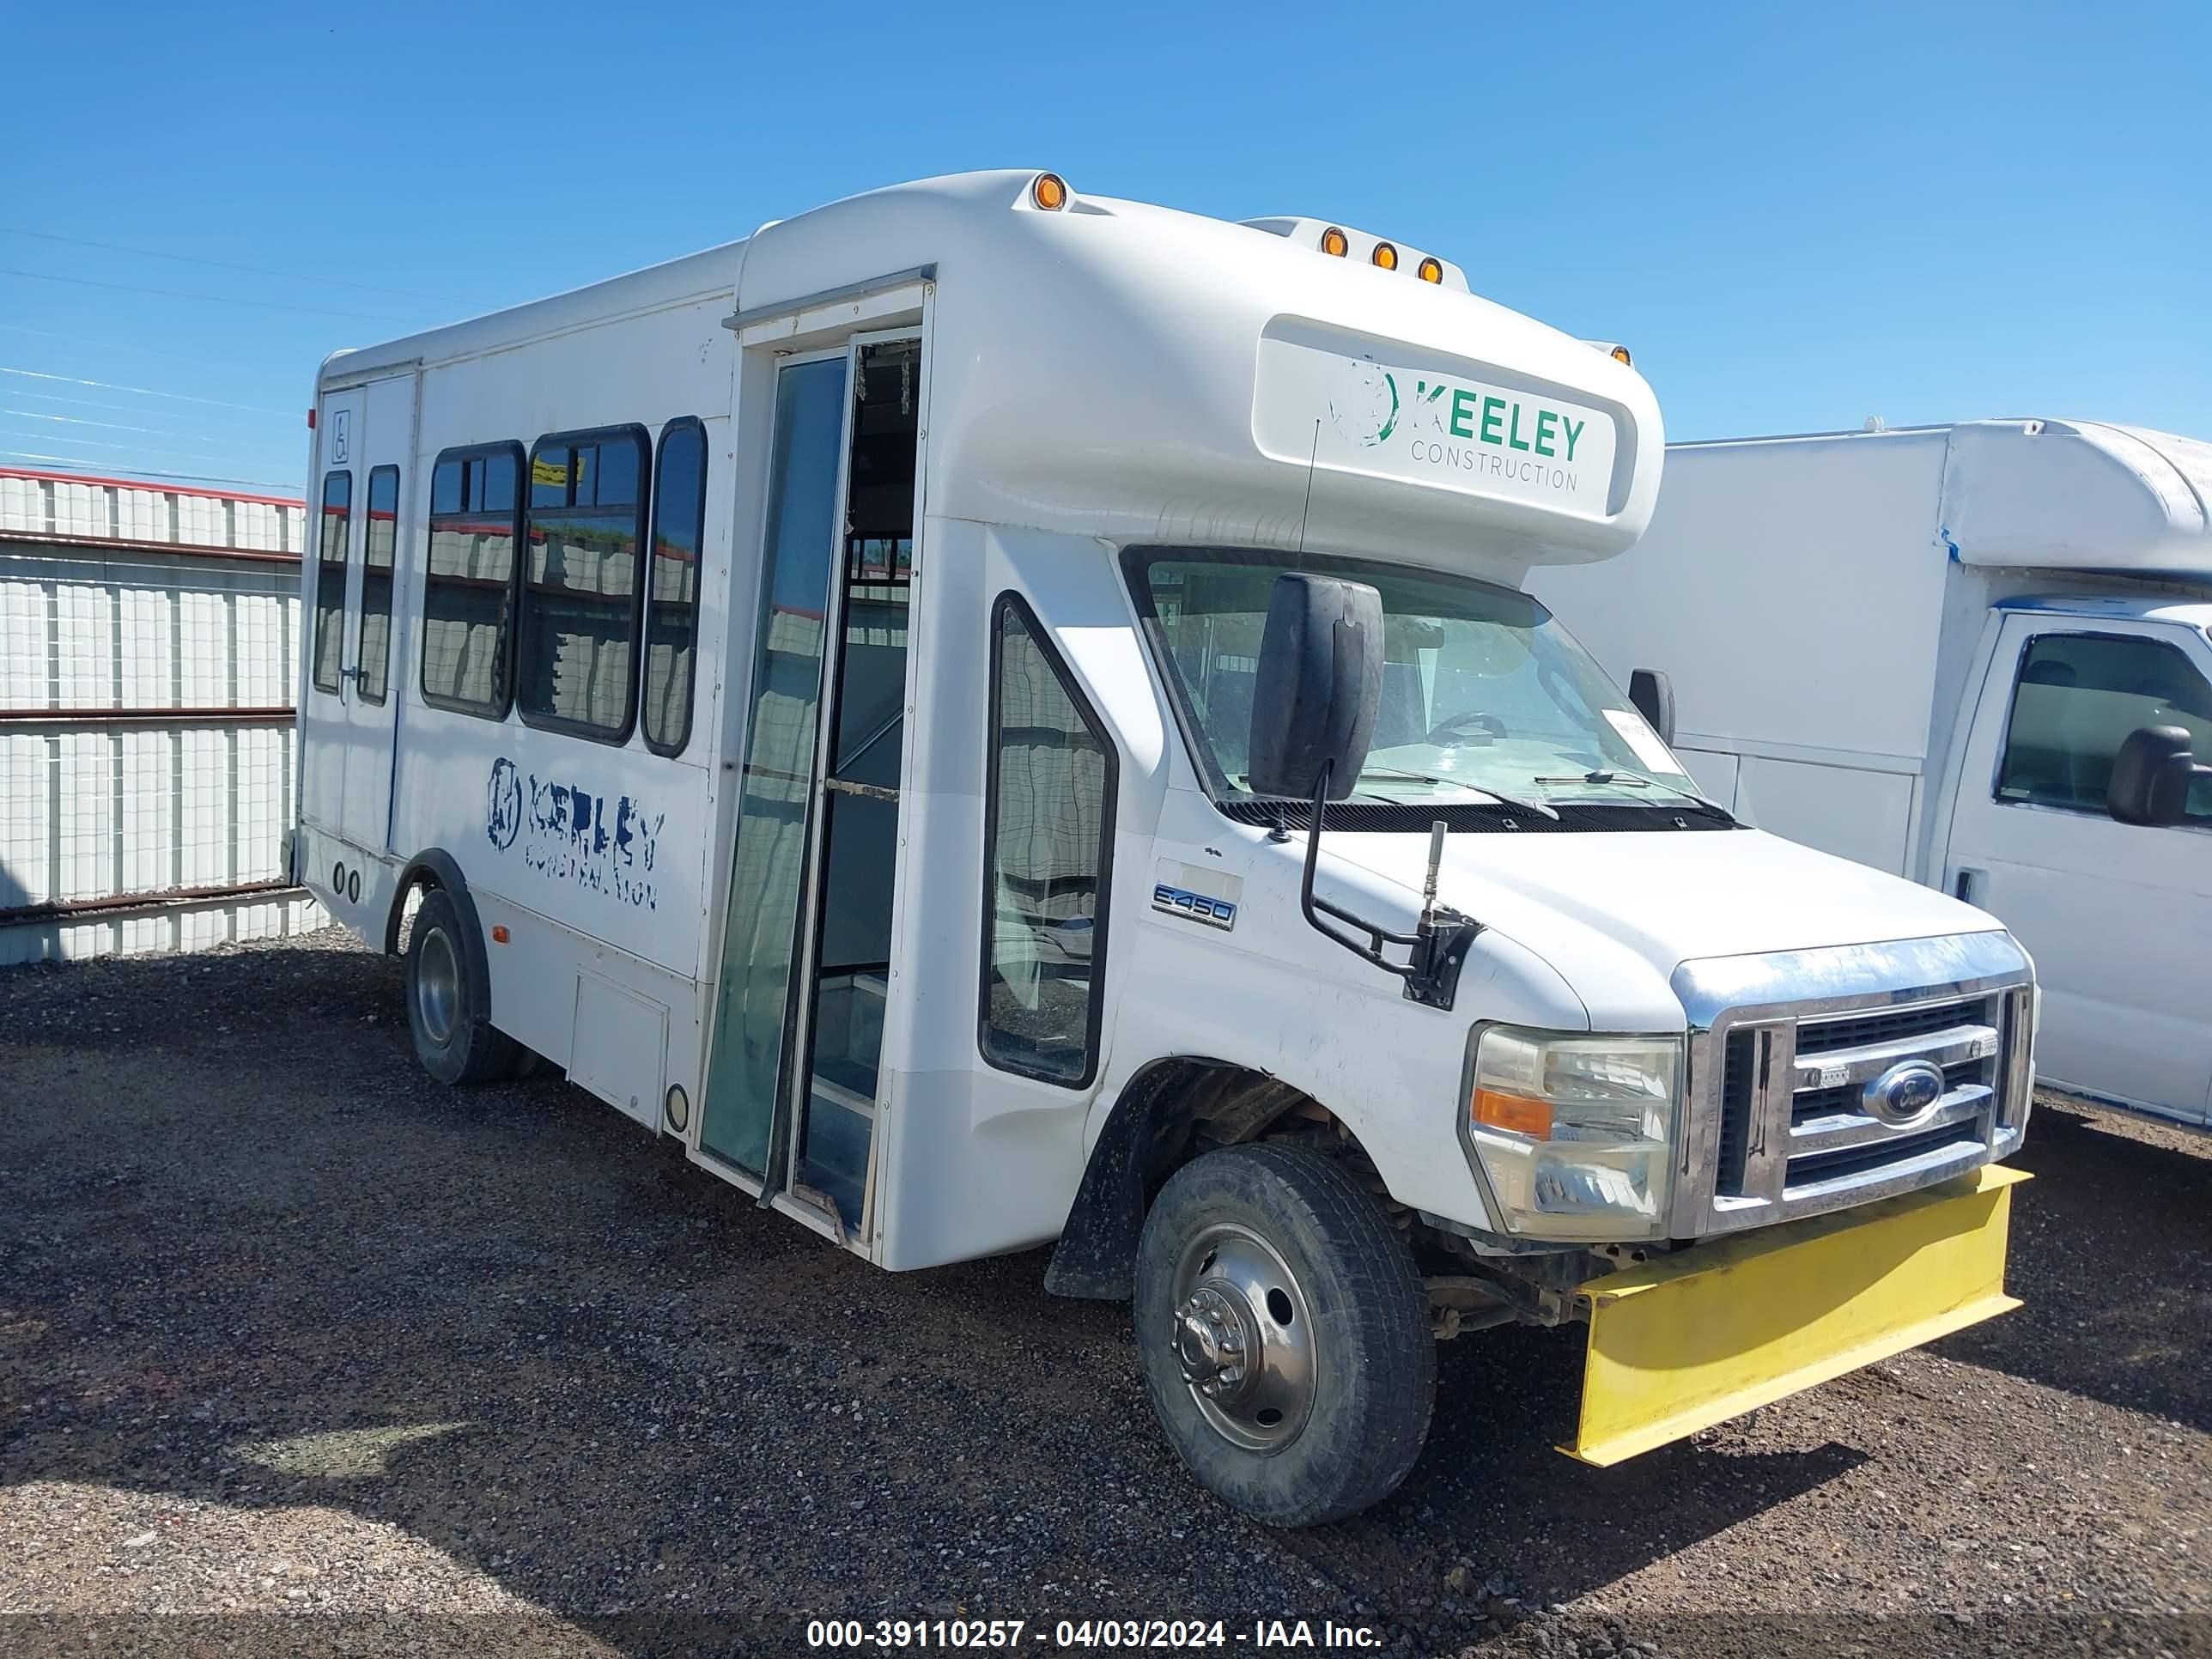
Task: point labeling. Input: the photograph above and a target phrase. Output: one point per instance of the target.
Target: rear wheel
(1284, 1334)
(448, 1011)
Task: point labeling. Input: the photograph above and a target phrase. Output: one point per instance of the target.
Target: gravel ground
(285, 1328)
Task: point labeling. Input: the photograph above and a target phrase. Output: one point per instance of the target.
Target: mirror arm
(1436, 950)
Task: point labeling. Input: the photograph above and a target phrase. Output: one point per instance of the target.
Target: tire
(1236, 1240)
(448, 1011)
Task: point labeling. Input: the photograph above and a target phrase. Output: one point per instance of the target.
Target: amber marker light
(1333, 241)
(1386, 255)
(1620, 356)
(1515, 1114)
(1430, 269)
(1049, 192)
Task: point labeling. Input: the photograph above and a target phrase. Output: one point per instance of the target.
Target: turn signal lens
(1049, 192)
(1515, 1114)
(1333, 241)
(1432, 270)
(1620, 356)
(1386, 255)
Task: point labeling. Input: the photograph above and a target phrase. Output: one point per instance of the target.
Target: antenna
(1310, 456)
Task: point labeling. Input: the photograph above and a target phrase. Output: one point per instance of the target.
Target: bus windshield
(1484, 697)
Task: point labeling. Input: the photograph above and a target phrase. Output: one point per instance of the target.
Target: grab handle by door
(1963, 885)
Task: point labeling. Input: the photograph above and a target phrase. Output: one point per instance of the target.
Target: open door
(794, 1079)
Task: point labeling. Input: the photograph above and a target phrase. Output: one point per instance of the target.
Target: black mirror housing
(1652, 694)
(1318, 687)
(2152, 775)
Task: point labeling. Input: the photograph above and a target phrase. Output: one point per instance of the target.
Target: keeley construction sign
(1358, 415)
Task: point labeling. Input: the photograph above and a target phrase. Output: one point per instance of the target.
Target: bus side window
(672, 602)
(331, 578)
(1048, 833)
(468, 584)
(578, 642)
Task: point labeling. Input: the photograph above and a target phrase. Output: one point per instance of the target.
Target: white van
(1978, 656)
(861, 700)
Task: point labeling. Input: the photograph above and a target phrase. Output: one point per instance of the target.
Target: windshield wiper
(1536, 807)
(1637, 780)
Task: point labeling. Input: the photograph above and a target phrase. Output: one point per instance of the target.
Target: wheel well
(435, 868)
(1168, 1112)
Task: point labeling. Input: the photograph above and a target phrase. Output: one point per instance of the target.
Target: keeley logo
(1454, 426)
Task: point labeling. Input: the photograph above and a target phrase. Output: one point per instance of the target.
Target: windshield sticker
(1362, 415)
(601, 843)
(1645, 741)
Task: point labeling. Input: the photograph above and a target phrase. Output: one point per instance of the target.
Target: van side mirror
(2152, 775)
(1652, 694)
(1318, 686)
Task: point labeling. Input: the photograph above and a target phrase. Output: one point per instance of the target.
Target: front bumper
(1679, 1345)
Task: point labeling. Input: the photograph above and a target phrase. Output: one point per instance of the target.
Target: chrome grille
(1783, 1122)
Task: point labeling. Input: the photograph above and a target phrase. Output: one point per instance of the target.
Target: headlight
(1573, 1136)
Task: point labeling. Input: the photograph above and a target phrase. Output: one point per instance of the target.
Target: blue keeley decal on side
(604, 844)
(1194, 907)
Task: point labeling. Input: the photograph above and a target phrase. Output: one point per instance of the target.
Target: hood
(1662, 898)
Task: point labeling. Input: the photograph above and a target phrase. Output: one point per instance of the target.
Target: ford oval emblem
(1905, 1093)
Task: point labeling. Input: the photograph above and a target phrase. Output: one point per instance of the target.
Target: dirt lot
(285, 1329)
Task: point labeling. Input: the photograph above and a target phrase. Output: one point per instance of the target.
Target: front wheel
(1284, 1334)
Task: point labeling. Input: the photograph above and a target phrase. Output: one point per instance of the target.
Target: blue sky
(1797, 217)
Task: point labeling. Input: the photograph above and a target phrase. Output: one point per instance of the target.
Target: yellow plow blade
(1679, 1345)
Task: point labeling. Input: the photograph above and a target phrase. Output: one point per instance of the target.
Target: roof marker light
(1386, 255)
(1620, 356)
(1049, 192)
(1333, 241)
(1431, 269)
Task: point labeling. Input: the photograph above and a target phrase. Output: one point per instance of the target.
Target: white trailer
(1927, 649)
(862, 699)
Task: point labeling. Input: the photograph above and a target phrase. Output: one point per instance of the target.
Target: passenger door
(350, 623)
(2118, 918)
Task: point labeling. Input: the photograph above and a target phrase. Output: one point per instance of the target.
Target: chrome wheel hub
(1244, 1338)
(437, 986)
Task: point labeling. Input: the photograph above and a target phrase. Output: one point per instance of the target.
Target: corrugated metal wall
(148, 653)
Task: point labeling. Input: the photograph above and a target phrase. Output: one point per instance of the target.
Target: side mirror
(1318, 686)
(2152, 775)
(1653, 696)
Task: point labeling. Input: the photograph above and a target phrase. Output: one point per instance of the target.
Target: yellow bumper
(1679, 1345)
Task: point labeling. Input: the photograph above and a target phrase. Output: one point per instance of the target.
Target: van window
(380, 541)
(468, 585)
(2077, 698)
(1048, 835)
(672, 602)
(331, 578)
(579, 593)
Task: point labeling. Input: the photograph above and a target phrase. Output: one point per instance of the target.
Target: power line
(146, 390)
(212, 299)
(100, 443)
(223, 264)
(94, 403)
(65, 463)
(117, 426)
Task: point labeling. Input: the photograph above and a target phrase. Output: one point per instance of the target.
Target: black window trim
(367, 518)
(498, 708)
(615, 736)
(336, 687)
(658, 746)
(2012, 708)
(1095, 1017)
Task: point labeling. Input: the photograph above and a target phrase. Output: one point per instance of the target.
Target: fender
(436, 868)
(1146, 1136)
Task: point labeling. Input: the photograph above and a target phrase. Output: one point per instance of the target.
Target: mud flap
(1679, 1345)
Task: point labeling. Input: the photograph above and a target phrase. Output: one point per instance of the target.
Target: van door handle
(1962, 884)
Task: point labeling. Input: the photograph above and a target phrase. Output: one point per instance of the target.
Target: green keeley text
(1504, 422)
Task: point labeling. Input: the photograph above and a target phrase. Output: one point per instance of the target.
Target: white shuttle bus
(861, 700)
